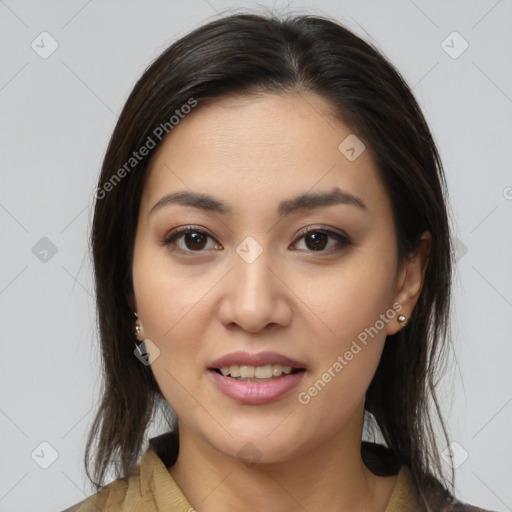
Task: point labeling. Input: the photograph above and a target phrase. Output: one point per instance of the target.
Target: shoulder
(454, 505)
(109, 498)
(442, 500)
(145, 489)
(406, 495)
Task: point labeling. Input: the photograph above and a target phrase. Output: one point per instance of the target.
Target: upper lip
(242, 358)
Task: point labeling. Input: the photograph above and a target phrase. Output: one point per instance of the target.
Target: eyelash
(344, 240)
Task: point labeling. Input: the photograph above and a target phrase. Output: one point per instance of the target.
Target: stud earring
(402, 319)
(138, 327)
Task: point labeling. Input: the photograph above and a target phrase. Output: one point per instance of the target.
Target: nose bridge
(256, 295)
(253, 278)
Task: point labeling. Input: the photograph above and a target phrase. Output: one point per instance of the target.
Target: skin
(196, 306)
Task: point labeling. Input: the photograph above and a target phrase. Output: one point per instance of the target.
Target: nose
(255, 295)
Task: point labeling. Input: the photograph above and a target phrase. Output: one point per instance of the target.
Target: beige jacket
(152, 488)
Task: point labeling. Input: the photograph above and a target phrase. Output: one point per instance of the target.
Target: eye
(193, 239)
(317, 239)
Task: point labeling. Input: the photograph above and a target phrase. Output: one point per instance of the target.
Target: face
(243, 289)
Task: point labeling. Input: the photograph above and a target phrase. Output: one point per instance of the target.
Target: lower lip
(255, 393)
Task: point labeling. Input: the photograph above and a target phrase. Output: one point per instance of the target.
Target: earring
(138, 327)
(402, 320)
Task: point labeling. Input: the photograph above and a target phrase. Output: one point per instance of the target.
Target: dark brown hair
(246, 54)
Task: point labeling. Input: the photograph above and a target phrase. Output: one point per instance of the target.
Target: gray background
(57, 114)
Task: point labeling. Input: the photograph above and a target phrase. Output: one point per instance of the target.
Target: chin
(258, 448)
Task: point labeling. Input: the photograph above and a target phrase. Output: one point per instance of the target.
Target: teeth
(277, 369)
(246, 372)
(263, 372)
(234, 371)
(260, 372)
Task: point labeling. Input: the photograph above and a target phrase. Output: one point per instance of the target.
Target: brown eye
(192, 240)
(316, 240)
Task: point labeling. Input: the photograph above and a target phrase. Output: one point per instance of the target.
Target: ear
(410, 279)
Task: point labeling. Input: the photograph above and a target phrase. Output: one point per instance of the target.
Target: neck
(330, 477)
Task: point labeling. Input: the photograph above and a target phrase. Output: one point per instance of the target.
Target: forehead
(269, 146)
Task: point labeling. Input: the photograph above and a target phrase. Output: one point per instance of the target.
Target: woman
(271, 230)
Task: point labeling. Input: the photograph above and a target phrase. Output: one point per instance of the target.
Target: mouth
(256, 379)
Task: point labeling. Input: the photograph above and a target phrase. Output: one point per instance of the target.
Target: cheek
(351, 336)
(169, 298)
(169, 311)
(349, 299)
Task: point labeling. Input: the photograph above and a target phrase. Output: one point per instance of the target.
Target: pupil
(316, 238)
(195, 239)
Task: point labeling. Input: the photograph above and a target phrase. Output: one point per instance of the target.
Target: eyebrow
(301, 202)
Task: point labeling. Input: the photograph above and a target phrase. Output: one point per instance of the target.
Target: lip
(256, 393)
(256, 359)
